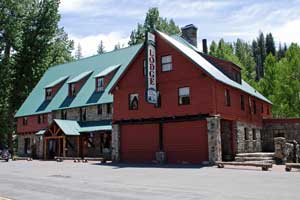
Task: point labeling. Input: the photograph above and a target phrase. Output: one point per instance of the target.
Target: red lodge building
(161, 101)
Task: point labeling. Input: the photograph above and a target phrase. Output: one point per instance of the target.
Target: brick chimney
(189, 33)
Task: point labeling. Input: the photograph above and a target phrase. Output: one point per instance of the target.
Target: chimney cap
(189, 26)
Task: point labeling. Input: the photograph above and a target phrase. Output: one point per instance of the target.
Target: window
(184, 96)
(63, 114)
(82, 112)
(246, 134)
(254, 106)
(254, 134)
(227, 97)
(99, 109)
(268, 110)
(262, 108)
(109, 108)
(72, 89)
(25, 121)
(48, 93)
(166, 63)
(242, 102)
(133, 101)
(40, 119)
(99, 84)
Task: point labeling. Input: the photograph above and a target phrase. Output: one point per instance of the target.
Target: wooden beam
(57, 131)
(64, 146)
(55, 137)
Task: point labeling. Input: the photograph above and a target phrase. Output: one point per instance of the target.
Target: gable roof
(69, 127)
(36, 103)
(107, 71)
(57, 81)
(194, 54)
(79, 77)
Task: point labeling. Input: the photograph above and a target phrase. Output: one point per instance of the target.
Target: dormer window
(100, 84)
(48, 93)
(72, 89)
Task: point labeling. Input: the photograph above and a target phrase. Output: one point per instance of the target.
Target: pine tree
(152, 21)
(101, 48)
(78, 52)
(270, 45)
(117, 46)
(213, 48)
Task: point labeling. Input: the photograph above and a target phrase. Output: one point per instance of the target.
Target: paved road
(41, 180)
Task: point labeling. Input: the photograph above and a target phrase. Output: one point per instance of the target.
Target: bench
(22, 158)
(101, 159)
(264, 166)
(61, 159)
(290, 166)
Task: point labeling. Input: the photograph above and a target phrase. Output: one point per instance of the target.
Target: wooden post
(64, 146)
(45, 148)
(78, 147)
(59, 147)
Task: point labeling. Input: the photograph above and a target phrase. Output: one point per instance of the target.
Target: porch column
(45, 148)
(78, 146)
(64, 146)
(214, 139)
(115, 142)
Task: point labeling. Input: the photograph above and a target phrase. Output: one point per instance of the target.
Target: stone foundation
(36, 146)
(115, 142)
(245, 141)
(214, 139)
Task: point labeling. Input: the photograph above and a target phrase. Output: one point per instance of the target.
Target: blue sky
(89, 21)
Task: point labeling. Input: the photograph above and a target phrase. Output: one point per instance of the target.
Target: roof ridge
(108, 52)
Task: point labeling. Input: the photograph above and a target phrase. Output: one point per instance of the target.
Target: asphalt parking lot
(67, 180)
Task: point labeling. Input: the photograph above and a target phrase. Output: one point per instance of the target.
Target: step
(241, 159)
(255, 154)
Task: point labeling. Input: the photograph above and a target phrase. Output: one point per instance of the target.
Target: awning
(107, 71)
(69, 127)
(79, 77)
(41, 132)
(96, 128)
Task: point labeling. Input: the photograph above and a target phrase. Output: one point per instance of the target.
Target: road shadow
(152, 165)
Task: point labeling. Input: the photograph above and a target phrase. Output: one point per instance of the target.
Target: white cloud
(289, 32)
(89, 44)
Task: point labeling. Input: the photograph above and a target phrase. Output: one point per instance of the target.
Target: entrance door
(226, 140)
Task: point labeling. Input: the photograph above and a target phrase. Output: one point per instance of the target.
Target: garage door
(186, 141)
(139, 143)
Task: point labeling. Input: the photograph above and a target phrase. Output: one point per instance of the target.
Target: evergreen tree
(152, 21)
(78, 52)
(213, 48)
(117, 46)
(101, 48)
(270, 45)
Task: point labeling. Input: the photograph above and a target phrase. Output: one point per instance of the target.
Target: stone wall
(245, 141)
(91, 113)
(214, 139)
(287, 128)
(115, 143)
(36, 146)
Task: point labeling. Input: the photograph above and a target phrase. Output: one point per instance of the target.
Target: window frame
(166, 63)
(180, 102)
(98, 88)
(48, 94)
(72, 89)
(130, 107)
(227, 98)
(254, 136)
(242, 100)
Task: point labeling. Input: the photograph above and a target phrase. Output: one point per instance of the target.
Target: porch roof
(69, 127)
(41, 132)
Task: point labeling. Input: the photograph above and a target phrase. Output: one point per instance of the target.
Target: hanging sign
(151, 93)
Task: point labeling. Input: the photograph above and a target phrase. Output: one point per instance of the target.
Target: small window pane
(133, 101)
(167, 67)
(184, 91)
(166, 59)
(184, 96)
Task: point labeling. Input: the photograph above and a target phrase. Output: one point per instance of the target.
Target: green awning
(41, 132)
(69, 127)
(96, 128)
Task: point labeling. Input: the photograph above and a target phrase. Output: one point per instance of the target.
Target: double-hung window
(100, 84)
(166, 63)
(184, 96)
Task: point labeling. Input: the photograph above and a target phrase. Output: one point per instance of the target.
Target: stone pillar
(115, 143)
(214, 139)
(280, 153)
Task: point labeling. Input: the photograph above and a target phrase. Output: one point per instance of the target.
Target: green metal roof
(41, 132)
(57, 81)
(69, 127)
(107, 71)
(79, 77)
(95, 128)
(36, 103)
